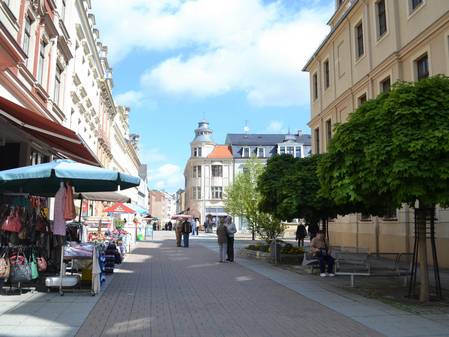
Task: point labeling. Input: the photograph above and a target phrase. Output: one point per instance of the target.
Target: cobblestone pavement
(162, 290)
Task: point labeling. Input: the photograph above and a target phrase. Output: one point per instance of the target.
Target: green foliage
(393, 149)
(269, 227)
(290, 189)
(243, 198)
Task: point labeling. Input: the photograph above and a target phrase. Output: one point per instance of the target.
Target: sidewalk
(378, 316)
(163, 290)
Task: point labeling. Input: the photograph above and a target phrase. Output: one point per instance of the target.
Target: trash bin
(275, 249)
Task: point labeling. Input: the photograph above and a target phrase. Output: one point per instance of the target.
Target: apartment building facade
(56, 89)
(371, 45)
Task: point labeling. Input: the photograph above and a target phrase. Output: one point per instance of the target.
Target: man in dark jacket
(186, 230)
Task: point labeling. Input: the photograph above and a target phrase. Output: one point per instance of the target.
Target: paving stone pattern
(162, 290)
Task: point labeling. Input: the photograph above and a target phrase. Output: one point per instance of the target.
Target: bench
(352, 264)
(378, 264)
(310, 261)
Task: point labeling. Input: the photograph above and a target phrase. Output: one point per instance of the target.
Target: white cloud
(152, 155)
(129, 98)
(167, 177)
(218, 46)
(276, 127)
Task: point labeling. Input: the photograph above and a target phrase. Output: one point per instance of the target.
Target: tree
(395, 149)
(242, 197)
(290, 188)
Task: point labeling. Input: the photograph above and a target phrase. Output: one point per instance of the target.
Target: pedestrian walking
(197, 221)
(222, 237)
(301, 233)
(186, 230)
(208, 224)
(178, 232)
(193, 224)
(231, 229)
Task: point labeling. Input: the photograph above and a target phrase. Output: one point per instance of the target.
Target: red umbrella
(119, 208)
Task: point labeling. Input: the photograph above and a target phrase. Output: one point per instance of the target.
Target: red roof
(51, 133)
(221, 152)
(119, 208)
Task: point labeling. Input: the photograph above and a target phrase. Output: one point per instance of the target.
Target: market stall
(32, 243)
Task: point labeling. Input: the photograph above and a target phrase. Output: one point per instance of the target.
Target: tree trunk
(253, 234)
(422, 256)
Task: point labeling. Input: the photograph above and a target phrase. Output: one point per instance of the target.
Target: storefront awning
(60, 138)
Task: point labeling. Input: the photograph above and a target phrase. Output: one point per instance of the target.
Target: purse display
(34, 268)
(4, 267)
(12, 222)
(20, 269)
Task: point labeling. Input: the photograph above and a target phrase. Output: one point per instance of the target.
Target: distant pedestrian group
(225, 236)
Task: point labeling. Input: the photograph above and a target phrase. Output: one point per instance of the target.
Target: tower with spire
(203, 144)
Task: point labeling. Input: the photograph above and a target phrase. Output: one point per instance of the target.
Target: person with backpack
(186, 230)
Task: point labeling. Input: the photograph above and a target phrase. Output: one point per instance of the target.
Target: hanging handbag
(4, 267)
(34, 268)
(12, 222)
(41, 264)
(20, 269)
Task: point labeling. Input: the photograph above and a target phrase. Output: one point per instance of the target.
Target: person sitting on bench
(320, 249)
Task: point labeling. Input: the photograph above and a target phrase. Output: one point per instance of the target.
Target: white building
(208, 173)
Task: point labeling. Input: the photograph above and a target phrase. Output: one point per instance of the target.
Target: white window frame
(59, 80)
(214, 168)
(217, 192)
(381, 84)
(42, 60)
(376, 11)
(260, 150)
(356, 40)
(247, 150)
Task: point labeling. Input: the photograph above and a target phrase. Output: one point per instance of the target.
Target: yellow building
(372, 44)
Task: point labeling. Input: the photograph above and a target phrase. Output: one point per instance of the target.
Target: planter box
(284, 258)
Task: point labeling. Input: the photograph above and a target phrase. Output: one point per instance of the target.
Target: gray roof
(263, 139)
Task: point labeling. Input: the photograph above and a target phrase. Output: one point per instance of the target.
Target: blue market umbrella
(45, 179)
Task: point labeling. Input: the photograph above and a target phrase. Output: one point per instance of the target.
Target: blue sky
(230, 61)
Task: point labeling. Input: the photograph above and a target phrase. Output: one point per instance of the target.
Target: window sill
(359, 59)
(412, 12)
(379, 39)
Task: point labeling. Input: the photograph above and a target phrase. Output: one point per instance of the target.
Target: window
(365, 217)
(326, 74)
(197, 151)
(422, 67)
(360, 50)
(317, 140)
(340, 2)
(246, 152)
(361, 100)
(328, 132)
(291, 150)
(381, 18)
(27, 35)
(63, 9)
(390, 214)
(415, 4)
(40, 69)
(298, 152)
(196, 192)
(57, 91)
(217, 171)
(260, 152)
(315, 86)
(197, 172)
(385, 85)
(217, 192)
(282, 150)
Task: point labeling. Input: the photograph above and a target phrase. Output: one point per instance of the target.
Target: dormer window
(282, 150)
(246, 152)
(197, 151)
(260, 152)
